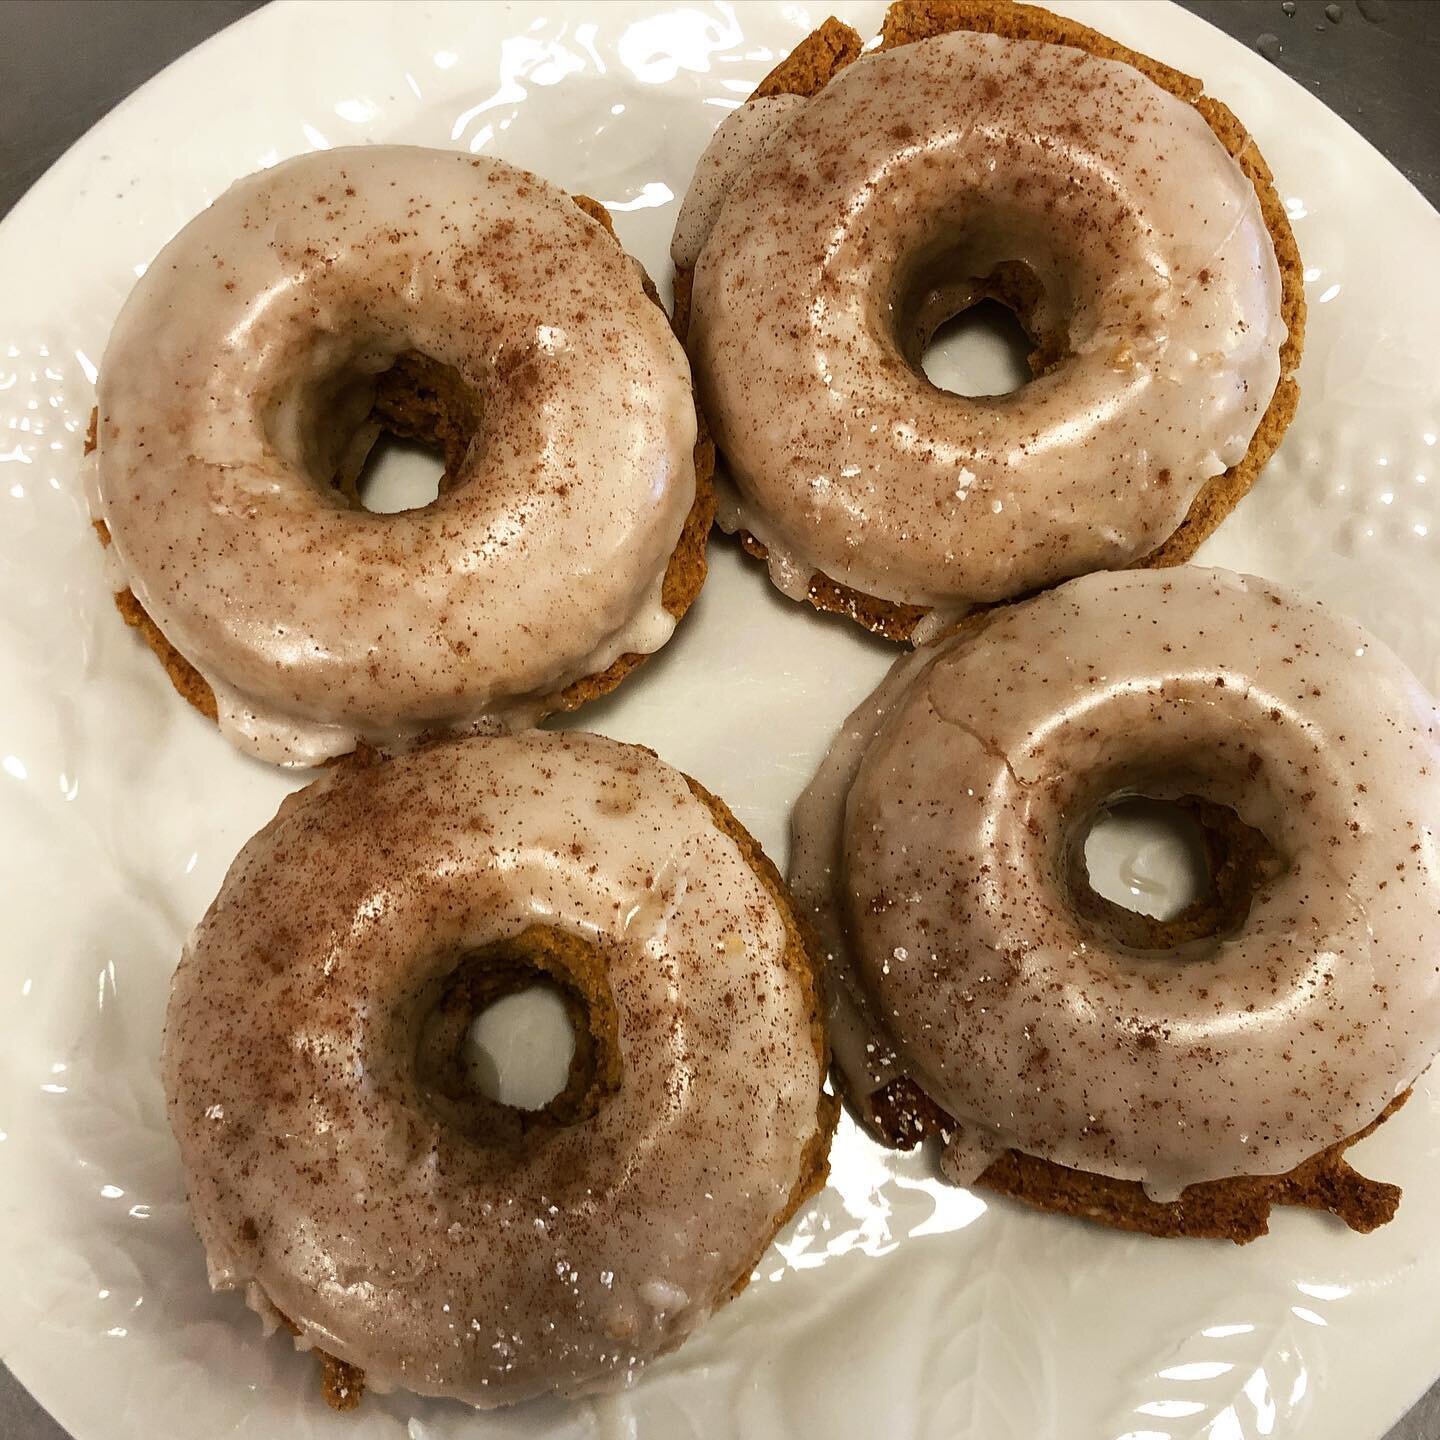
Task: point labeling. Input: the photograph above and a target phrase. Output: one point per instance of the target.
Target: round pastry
(1176, 1077)
(343, 1170)
(440, 296)
(984, 150)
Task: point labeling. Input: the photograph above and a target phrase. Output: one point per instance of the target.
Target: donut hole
(982, 351)
(519, 1048)
(522, 1034)
(398, 475)
(389, 433)
(1154, 874)
(1147, 856)
(978, 330)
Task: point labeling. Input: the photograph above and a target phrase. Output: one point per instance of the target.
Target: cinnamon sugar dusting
(936, 846)
(329, 1177)
(946, 161)
(234, 384)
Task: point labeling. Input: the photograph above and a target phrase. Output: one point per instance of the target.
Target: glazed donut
(1076, 1054)
(345, 1174)
(426, 292)
(1128, 221)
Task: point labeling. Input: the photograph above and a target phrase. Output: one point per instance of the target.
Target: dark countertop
(65, 63)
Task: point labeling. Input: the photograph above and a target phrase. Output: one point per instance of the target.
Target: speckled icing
(241, 366)
(913, 171)
(933, 848)
(322, 1182)
(738, 142)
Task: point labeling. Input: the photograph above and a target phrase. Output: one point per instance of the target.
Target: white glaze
(324, 1183)
(738, 143)
(1123, 204)
(318, 624)
(933, 848)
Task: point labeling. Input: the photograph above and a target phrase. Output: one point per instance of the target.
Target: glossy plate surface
(893, 1305)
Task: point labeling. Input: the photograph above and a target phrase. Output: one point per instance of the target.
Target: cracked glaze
(846, 223)
(933, 847)
(243, 363)
(325, 1183)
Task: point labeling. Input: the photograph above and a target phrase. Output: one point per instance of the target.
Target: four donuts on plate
(1176, 1077)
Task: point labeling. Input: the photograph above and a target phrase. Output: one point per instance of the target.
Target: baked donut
(985, 150)
(1177, 1077)
(441, 296)
(344, 1172)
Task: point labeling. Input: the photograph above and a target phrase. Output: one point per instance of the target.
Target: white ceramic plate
(893, 1306)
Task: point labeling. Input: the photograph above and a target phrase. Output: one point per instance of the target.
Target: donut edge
(804, 958)
(684, 577)
(818, 58)
(1236, 1208)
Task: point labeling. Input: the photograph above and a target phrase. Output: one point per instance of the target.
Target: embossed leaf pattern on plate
(1231, 1379)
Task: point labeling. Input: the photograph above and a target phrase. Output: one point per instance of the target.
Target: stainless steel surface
(65, 63)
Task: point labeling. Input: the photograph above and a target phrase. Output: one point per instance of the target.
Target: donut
(984, 150)
(443, 297)
(1175, 1077)
(342, 1170)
